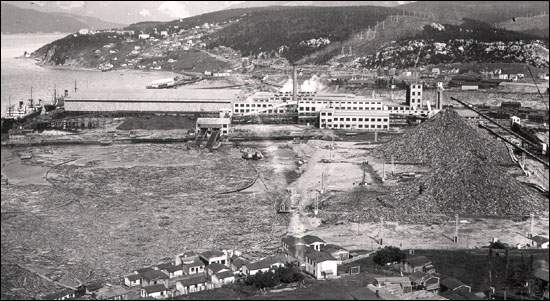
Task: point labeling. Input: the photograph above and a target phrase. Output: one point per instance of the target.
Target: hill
(247, 4)
(486, 11)
(535, 25)
(20, 20)
(471, 41)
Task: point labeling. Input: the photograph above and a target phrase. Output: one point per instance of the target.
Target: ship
(172, 82)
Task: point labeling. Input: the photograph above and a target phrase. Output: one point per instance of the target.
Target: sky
(127, 12)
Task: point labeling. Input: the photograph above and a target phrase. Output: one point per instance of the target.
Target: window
(355, 108)
(348, 126)
(379, 119)
(247, 105)
(354, 119)
(378, 126)
(360, 126)
(347, 119)
(385, 119)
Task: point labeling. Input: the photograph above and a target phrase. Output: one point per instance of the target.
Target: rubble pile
(466, 177)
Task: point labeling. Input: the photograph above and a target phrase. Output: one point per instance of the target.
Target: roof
(309, 239)
(460, 296)
(317, 256)
(133, 277)
(225, 274)
(216, 267)
(211, 254)
(196, 263)
(239, 262)
(420, 276)
(451, 283)
(154, 288)
(111, 291)
(144, 270)
(404, 281)
(163, 266)
(417, 261)
(154, 275)
(266, 262)
(58, 294)
(192, 280)
(95, 285)
(332, 248)
(364, 294)
(173, 268)
(213, 121)
(291, 240)
(541, 274)
(539, 239)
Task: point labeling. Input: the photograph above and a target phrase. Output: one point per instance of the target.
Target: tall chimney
(294, 84)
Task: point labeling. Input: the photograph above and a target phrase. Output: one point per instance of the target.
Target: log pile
(466, 175)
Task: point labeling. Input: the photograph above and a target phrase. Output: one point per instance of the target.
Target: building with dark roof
(215, 267)
(418, 263)
(62, 294)
(193, 267)
(237, 264)
(223, 278)
(172, 270)
(265, 265)
(132, 280)
(153, 277)
(336, 252)
(320, 264)
(540, 242)
(454, 285)
(191, 284)
(157, 291)
(425, 281)
(209, 257)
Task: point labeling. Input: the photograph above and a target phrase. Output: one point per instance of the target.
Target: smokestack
(294, 84)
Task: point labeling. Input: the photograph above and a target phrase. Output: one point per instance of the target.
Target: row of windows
(419, 93)
(266, 111)
(359, 126)
(253, 105)
(360, 119)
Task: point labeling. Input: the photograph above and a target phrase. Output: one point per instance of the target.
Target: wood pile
(467, 176)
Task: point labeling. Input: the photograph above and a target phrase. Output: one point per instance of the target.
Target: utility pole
(455, 238)
(392, 165)
(381, 229)
(383, 170)
(532, 224)
(75, 86)
(31, 93)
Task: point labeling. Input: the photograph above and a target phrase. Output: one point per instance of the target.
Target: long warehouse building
(144, 102)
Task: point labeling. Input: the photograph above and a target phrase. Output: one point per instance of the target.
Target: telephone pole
(455, 238)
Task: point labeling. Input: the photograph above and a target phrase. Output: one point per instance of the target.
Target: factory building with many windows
(372, 120)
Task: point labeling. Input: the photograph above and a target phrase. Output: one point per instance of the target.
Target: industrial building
(212, 124)
(149, 101)
(373, 120)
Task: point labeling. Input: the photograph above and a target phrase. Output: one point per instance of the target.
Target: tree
(388, 254)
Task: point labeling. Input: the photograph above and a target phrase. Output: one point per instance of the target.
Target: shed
(454, 285)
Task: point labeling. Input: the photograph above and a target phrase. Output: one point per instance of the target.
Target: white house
(163, 33)
(132, 280)
(84, 31)
(143, 36)
(223, 278)
(515, 119)
(264, 265)
(173, 271)
(157, 291)
(191, 284)
(210, 257)
(320, 264)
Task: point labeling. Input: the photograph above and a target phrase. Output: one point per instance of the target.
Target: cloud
(144, 12)
(174, 9)
(70, 4)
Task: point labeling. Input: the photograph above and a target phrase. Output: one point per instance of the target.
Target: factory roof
(158, 95)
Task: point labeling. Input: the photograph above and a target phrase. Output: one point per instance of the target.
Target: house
(436, 71)
(63, 294)
(186, 257)
(163, 33)
(395, 285)
(172, 270)
(112, 292)
(237, 264)
(84, 31)
(215, 267)
(336, 251)
(264, 265)
(515, 119)
(193, 267)
(417, 263)
(153, 277)
(222, 278)
(143, 36)
(539, 242)
(294, 246)
(132, 280)
(425, 281)
(157, 291)
(454, 285)
(209, 257)
(320, 264)
(314, 242)
(191, 284)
